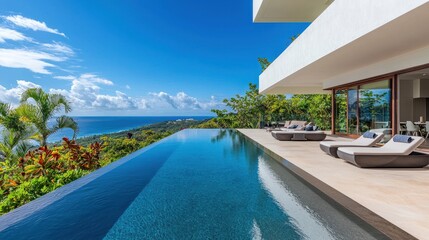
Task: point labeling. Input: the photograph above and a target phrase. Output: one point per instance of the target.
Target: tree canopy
(254, 110)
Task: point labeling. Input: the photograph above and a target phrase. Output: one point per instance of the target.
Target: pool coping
(9, 219)
(382, 225)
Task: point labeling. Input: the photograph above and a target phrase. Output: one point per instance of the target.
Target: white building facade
(372, 56)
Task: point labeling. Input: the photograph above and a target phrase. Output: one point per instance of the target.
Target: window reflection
(362, 108)
(374, 106)
(341, 111)
(352, 110)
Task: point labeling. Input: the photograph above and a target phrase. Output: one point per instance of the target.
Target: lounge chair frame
(413, 160)
(333, 149)
(298, 135)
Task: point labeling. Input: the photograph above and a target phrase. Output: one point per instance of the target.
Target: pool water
(196, 184)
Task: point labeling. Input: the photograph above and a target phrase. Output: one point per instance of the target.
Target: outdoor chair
(399, 152)
(413, 129)
(427, 129)
(368, 139)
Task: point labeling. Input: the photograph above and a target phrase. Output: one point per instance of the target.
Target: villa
(372, 56)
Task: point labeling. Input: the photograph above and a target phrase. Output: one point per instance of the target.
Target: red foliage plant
(83, 158)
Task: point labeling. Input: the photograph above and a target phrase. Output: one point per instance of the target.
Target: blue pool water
(196, 184)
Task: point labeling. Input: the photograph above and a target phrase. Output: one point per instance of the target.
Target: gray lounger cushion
(299, 135)
(392, 154)
(331, 147)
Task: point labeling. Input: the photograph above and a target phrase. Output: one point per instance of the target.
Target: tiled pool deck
(400, 196)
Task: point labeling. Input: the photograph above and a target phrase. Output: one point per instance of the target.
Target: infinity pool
(196, 184)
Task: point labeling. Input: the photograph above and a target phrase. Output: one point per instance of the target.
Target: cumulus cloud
(32, 24)
(9, 34)
(183, 101)
(118, 101)
(85, 93)
(13, 95)
(32, 60)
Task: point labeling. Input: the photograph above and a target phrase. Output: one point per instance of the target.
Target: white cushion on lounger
(390, 148)
(361, 141)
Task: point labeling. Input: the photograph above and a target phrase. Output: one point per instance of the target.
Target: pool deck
(400, 196)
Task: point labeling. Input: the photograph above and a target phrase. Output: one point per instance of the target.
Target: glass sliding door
(363, 107)
(341, 111)
(375, 106)
(352, 111)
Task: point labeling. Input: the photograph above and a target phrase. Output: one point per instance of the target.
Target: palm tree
(43, 108)
(16, 135)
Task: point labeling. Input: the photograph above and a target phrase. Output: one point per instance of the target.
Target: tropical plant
(254, 110)
(83, 158)
(43, 109)
(41, 162)
(15, 135)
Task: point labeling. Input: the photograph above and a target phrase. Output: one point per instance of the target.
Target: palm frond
(58, 100)
(4, 109)
(65, 122)
(29, 113)
(35, 93)
(23, 147)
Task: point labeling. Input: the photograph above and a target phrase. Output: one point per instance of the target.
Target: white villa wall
(256, 6)
(341, 23)
(408, 60)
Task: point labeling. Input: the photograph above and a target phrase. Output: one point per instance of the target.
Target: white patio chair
(413, 129)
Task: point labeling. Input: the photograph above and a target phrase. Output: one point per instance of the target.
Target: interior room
(413, 102)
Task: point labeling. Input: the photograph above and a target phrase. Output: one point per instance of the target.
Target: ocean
(101, 125)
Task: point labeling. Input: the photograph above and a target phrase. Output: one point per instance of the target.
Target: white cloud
(118, 101)
(28, 59)
(59, 48)
(95, 79)
(32, 24)
(127, 87)
(9, 34)
(143, 104)
(65, 77)
(86, 95)
(13, 95)
(183, 101)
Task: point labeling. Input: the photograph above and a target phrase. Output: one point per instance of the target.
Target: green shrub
(68, 177)
(25, 193)
(37, 187)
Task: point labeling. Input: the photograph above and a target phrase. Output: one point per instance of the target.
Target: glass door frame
(393, 103)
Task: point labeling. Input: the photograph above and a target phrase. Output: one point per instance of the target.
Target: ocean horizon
(96, 125)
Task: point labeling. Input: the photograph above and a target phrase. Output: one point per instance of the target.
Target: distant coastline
(107, 125)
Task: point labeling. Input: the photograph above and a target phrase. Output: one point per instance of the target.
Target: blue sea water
(100, 125)
(195, 184)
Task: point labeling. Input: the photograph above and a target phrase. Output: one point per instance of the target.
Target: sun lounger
(299, 125)
(392, 154)
(299, 135)
(331, 147)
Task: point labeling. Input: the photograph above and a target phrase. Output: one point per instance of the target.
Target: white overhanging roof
(288, 10)
(352, 40)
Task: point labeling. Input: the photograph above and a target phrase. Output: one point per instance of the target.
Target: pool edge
(10, 218)
(382, 225)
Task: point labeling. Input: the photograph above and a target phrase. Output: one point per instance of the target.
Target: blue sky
(133, 57)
